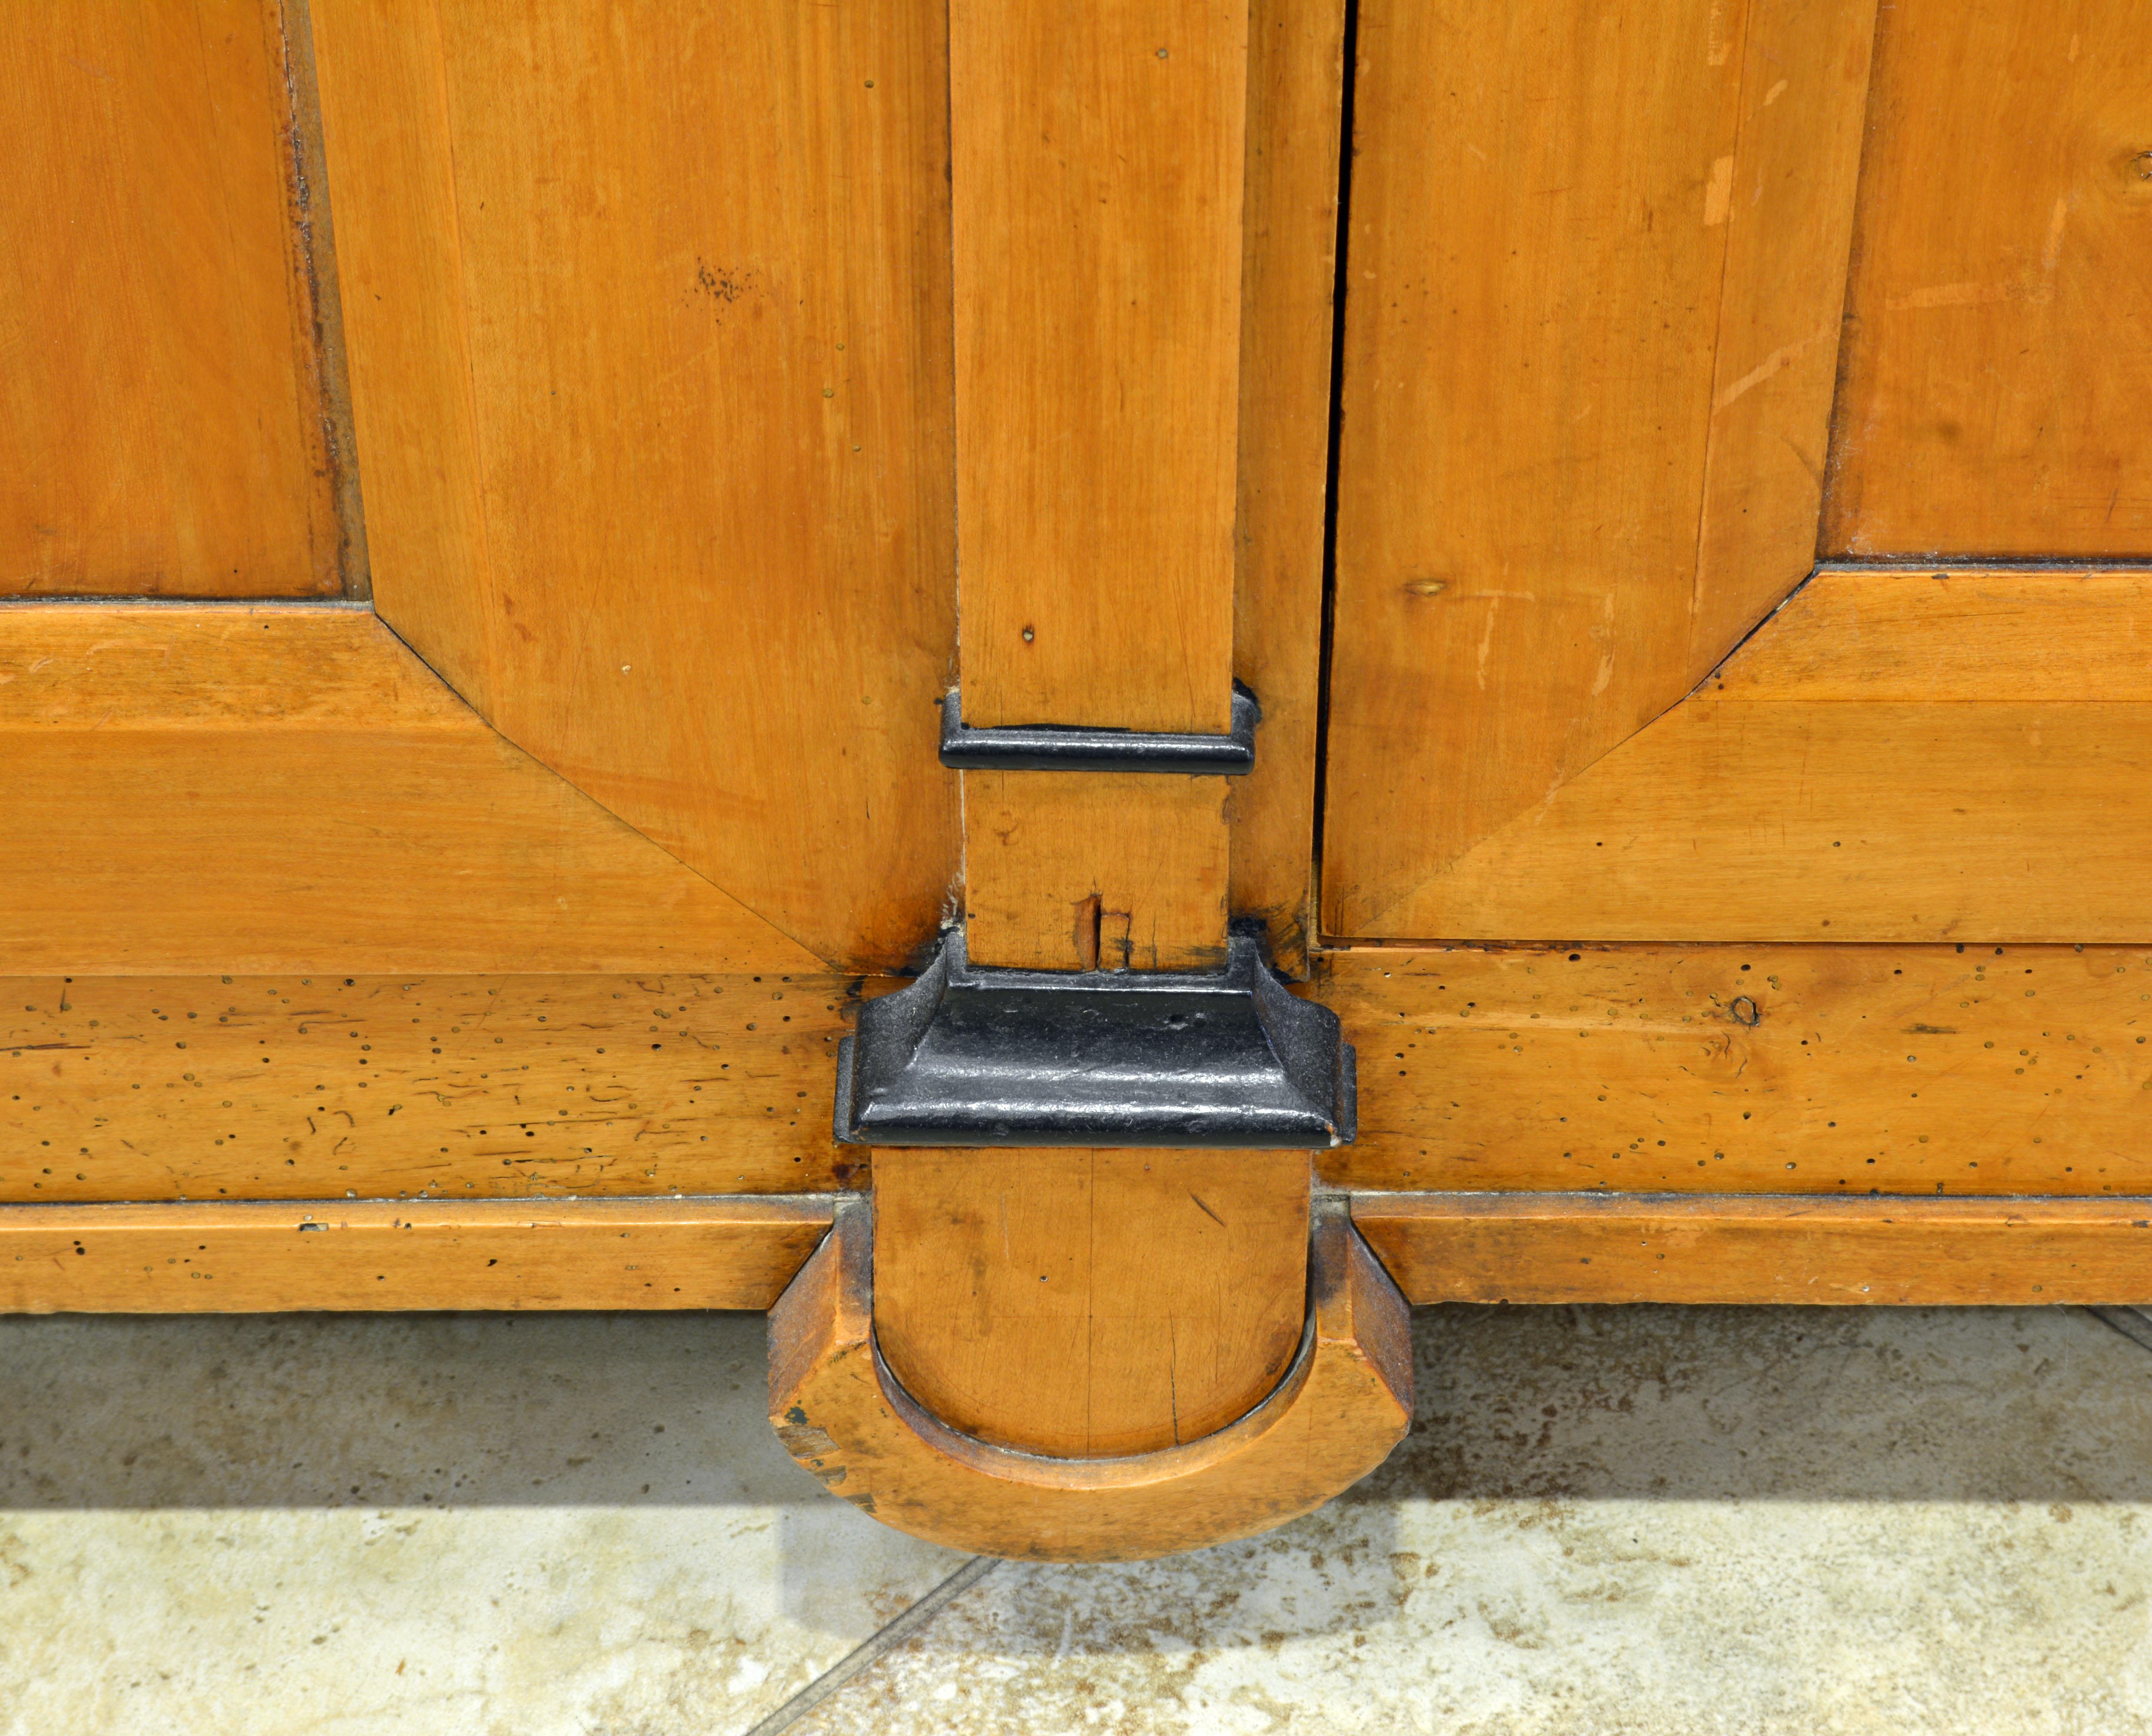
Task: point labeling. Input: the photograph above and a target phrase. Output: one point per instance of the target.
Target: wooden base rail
(740, 1251)
(1759, 1248)
(264, 1257)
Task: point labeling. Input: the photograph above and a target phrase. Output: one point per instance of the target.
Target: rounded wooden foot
(1345, 1401)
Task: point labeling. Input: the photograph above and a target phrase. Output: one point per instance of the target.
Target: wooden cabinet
(497, 497)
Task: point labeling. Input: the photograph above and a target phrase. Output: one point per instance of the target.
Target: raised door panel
(1998, 394)
(1594, 273)
(650, 338)
(165, 401)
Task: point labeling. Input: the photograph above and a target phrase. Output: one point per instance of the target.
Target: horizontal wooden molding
(214, 789)
(1678, 1248)
(739, 1252)
(1738, 1069)
(1955, 755)
(1908, 1070)
(370, 1086)
(263, 1256)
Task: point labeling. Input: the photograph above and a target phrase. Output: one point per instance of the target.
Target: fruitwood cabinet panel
(1592, 285)
(162, 398)
(1893, 756)
(1916, 1072)
(650, 341)
(1997, 385)
(222, 787)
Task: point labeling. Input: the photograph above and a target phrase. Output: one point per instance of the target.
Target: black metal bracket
(972, 1055)
(1071, 748)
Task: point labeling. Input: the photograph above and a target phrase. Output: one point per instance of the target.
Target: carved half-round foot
(1345, 1401)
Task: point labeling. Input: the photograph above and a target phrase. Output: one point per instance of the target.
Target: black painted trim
(970, 1055)
(1071, 748)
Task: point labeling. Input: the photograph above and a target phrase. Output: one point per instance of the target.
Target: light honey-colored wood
(1097, 169)
(261, 1258)
(1095, 871)
(160, 401)
(1344, 1401)
(1638, 1068)
(1996, 379)
(248, 1257)
(384, 107)
(1571, 1248)
(219, 788)
(649, 341)
(1894, 756)
(1808, 1070)
(1099, 172)
(1789, 215)
(1090, 1304)
(1592, 285)
(245, 1087)
(1288, 283)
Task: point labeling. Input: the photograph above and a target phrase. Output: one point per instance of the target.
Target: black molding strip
(1071, 748)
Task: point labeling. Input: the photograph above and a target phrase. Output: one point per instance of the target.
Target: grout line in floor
(2132, 1323)
(902, 1629)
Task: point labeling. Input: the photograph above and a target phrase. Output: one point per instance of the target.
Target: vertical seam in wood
(1834, 454)
(488, 588)
(316, 249)
(1327, 627)
(1718, 336)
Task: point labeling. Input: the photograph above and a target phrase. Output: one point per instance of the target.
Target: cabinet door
(1738, 722)
(519, 810)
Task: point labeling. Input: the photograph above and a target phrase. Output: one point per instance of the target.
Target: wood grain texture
(1568, 1248)
(286, 789)
(1595, 268)
(160, 399)
(1345, 1402)
(1288, 284)
(1088, 1304)
(1097, 162)
(205, 1258)
(1997, 377)
(240, 1087)
(1095, 871)
(649, 338)
(385, 109)
(1790, 214)
(1895, 756)
(1811, 1069)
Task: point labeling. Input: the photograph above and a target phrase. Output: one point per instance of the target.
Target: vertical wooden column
(1097, 154)
(1073, 1303)
(1088, 1304)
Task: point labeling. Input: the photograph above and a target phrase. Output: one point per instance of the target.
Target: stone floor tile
(1648, 1520)
(1634, 1520)
(523, 1525)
